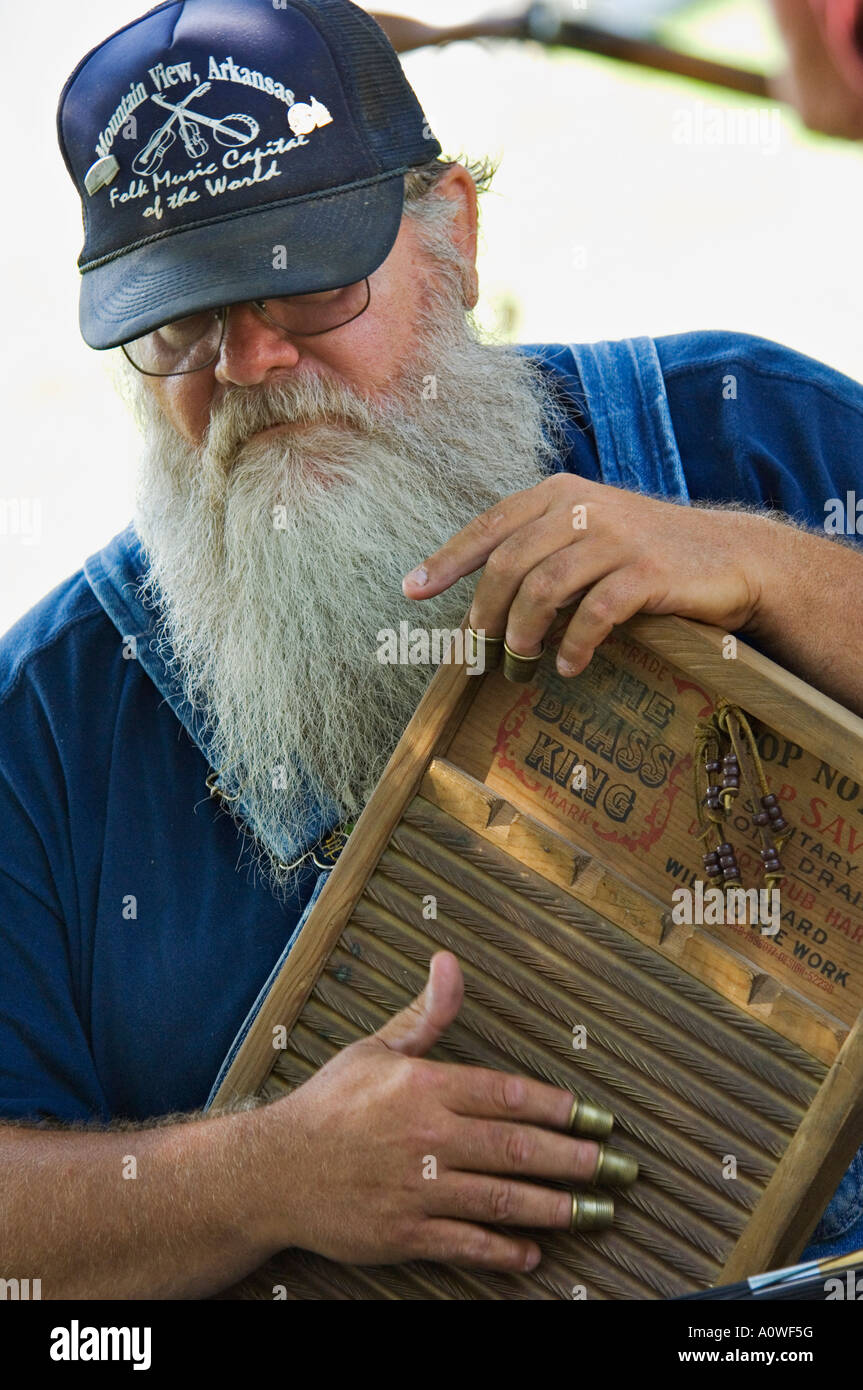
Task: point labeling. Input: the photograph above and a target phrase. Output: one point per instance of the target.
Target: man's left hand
(618, 552)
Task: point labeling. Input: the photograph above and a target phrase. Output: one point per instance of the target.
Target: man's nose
(252, 348)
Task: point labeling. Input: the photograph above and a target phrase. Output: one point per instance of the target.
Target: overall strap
(628, 409)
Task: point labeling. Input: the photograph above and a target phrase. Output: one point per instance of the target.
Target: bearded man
(289, 266)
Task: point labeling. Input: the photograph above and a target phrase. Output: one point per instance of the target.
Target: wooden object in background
(406, 34)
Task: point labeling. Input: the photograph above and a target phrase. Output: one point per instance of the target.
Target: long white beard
(274, 564)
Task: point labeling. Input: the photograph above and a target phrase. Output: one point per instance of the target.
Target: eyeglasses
(190, 344)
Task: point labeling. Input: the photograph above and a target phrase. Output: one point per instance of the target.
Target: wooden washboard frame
(705, 1042)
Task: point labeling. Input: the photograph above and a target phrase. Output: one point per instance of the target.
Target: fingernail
(532, 1260)
(419, 577)
(565, 668)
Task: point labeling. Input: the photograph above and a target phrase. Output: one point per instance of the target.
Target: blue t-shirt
(134, 934)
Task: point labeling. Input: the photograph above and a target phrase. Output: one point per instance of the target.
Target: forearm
(191, 1221)
(809, 615)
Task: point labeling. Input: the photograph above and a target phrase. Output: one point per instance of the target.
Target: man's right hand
(360, 1137)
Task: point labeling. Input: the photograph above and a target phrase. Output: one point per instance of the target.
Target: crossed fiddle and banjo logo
(232, 131)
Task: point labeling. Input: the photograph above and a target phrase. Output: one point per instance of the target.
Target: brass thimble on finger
(590, 1121)
(520, 669)
(614, 1169)
(483, 650)
(590, 1213)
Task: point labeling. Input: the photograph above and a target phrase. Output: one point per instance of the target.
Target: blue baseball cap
(227, 150)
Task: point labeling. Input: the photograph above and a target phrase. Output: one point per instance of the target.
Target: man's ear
(458, 186)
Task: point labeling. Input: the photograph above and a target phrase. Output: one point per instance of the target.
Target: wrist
(766, 563)
(273, 1179)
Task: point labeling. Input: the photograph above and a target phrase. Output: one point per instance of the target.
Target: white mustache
(244, 412)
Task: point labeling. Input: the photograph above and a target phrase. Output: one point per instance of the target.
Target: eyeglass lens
(191, 343)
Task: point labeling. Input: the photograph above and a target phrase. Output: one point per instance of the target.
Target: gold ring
(590, 1213)
(590, 1121)
(520, 669)
(615, 1168)
(489, 648)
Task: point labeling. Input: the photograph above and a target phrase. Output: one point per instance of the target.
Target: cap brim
(330, 240)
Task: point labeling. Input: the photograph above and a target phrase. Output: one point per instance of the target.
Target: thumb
(417, 1028)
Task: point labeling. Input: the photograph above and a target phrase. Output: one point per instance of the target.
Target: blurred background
(627, 202)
